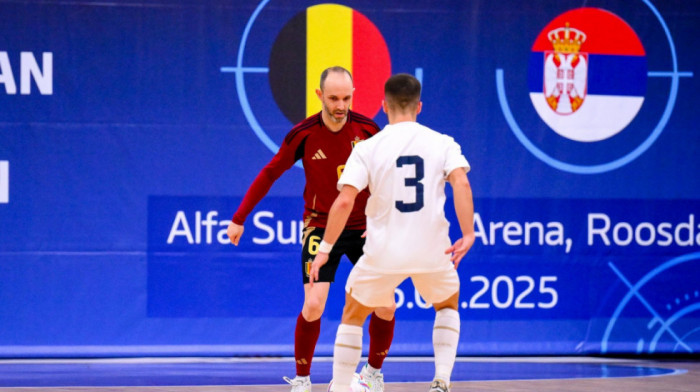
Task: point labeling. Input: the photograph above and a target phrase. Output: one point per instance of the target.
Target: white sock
(370, 369)
(346, 356)
(445, 340)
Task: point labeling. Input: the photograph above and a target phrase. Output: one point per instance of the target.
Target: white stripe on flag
(599, 118)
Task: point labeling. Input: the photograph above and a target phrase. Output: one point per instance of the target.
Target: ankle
(371, 370)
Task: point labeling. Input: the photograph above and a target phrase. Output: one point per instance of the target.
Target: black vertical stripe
(287, 69)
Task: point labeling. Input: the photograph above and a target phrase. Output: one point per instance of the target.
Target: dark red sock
(305, 338)
(381, 333)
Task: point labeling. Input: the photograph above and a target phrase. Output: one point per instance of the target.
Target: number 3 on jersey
(416, 161)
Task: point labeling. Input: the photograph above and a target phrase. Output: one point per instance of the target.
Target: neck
(402, 117)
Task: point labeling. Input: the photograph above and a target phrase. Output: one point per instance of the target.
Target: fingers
(454, 247)
(313, 275)
(457, 257)
(319, 261)
(234, 233)
(458, 250)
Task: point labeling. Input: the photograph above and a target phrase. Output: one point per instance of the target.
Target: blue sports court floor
(269, 371)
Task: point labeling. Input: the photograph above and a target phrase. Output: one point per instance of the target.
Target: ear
(419, 107)
(384, 106)
(319, 94)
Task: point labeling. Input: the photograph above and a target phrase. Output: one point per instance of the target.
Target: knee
(313, 309)
(386, 313)
(354, 318)
(450, 303)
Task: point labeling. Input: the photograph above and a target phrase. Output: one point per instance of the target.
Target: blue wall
(129, 134)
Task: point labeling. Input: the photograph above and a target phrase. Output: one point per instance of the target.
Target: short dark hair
(402, 92)
(336, 68)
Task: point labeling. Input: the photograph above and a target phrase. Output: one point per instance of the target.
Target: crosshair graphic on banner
(566, 89)
(317, 37)
(666, 329)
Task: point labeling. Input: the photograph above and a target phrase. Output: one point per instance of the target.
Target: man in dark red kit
(324, 142)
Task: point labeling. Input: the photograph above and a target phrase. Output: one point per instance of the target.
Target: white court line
(4, 182)
(147, 360)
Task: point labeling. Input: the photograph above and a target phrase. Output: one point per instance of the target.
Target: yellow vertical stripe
(328, 43)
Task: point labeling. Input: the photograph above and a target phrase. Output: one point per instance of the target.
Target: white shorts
(376, 290)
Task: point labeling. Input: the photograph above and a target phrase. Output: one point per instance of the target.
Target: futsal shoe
(439, 386)
(357, 385)
(299, 384)
(374, 379)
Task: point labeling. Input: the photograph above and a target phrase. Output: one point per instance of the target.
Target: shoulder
(438, 136)
(365, 123)
(302, 129)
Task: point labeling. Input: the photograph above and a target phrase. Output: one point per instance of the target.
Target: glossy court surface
(401, 374)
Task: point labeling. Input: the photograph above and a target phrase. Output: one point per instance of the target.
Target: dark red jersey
(323, 154)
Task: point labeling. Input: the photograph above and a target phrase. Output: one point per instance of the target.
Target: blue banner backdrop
(129, 133)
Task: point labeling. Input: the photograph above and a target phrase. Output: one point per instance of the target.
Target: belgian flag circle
(323, 36)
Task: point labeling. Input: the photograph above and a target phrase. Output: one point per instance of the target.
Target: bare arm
(339, 213)
(464, 208)
(337, 217)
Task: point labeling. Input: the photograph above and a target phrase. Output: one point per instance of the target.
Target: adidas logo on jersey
(319, 155)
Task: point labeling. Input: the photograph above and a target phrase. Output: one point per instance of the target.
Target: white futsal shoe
(357, 384)
(439, 386)
(299, 384)
(374, 379)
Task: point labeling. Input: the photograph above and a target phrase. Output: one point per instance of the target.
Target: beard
(335, 114)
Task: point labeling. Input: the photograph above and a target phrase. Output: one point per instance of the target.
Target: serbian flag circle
(587, 74)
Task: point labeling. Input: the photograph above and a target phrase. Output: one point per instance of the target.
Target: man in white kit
(406, 167)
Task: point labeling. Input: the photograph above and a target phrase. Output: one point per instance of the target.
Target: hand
(319, 261)
(459, 249)
(234, 232)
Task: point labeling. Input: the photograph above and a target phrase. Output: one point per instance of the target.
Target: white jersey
(405, 166)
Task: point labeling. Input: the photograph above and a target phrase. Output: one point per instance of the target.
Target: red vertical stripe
(371, 65)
